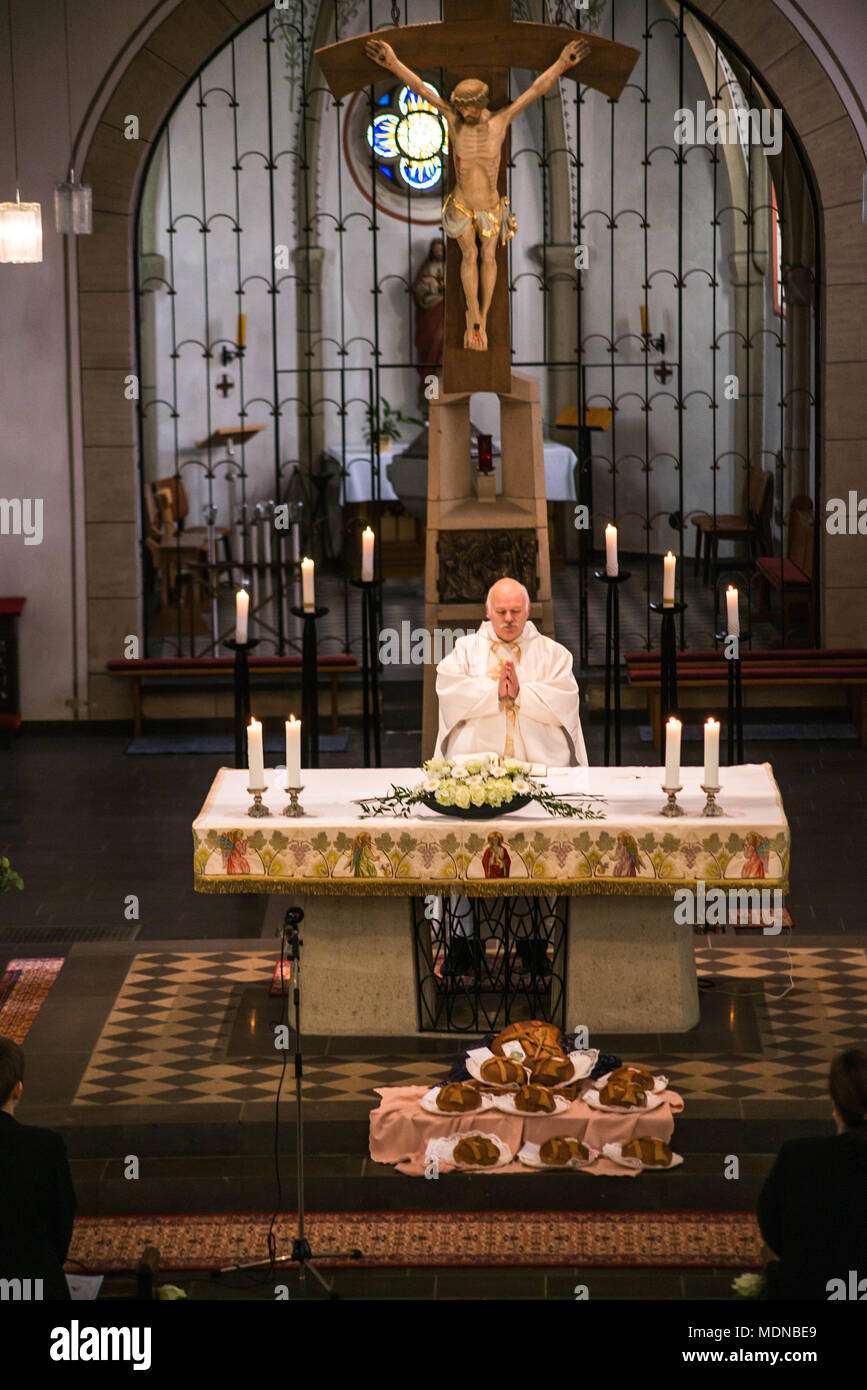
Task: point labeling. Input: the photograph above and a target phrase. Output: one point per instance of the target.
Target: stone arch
(158, 70)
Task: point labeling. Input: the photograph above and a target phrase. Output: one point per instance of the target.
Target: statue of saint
(474, 213)
(429, 291)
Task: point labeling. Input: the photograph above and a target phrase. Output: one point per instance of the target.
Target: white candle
(734, 621)
(293, 751)
(611, 550)
(242, 608)
(672, 754)
(711, 753)
(308, 600)
(366, 555)
(669, 563)
(255, 756)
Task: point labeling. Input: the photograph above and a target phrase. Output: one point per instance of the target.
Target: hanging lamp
(73, 202)
(20, 223)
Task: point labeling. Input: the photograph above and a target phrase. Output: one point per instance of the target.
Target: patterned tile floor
(196, 1027)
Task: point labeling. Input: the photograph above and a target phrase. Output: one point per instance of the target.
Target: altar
(628, 959)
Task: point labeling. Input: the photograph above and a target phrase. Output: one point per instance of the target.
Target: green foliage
(8, 877)
(387, 421)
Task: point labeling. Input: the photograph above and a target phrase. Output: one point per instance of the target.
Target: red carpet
(23, 990)
(625, 1240)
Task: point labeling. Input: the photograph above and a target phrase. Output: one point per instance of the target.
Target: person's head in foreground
(847, 1083)
(11, 1075)
(508, 608)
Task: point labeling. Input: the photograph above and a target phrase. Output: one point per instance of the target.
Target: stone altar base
(630, 968)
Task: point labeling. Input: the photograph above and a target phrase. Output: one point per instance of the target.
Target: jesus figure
(474, 214)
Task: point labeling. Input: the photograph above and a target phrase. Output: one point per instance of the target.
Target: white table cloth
(559, 471)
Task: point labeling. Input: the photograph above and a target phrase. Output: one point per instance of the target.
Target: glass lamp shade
(20, 233)
(73, 208)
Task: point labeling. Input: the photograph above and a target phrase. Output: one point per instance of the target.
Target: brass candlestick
(294, 808)
(710, 806)
(257, 809)
(671, 807)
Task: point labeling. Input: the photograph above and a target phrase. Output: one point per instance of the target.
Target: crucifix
(477, 43)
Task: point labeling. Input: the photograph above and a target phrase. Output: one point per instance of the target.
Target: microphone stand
(300, 1252)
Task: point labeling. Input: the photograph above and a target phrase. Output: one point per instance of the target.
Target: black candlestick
(309, 686)
(668, 659)
(242, 694)
(735, 731)
(612, 659)
(370, 667)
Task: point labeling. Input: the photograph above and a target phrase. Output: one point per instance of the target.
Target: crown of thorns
(480, 99)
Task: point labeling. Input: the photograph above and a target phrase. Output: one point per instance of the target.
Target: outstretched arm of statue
(571, 55)
(383, 54)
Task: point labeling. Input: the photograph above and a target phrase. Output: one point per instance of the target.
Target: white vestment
(540, 726)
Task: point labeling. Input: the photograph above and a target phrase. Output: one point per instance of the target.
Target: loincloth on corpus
(497, 221)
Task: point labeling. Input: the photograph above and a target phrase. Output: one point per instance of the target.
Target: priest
(508, 689)
(505, 689)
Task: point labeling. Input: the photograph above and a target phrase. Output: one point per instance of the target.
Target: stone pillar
(747, 271)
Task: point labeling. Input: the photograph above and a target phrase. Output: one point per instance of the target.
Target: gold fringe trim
(475, 888)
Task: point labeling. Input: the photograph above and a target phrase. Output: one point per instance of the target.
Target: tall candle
(672, 754)
(367, 555)
(293, 751)
(668, 568)
(242, 609)
(242, 330)
(255, 756)
(645, 320)
(734, 621)
(711, 753)
(611, 550)
(308, 600)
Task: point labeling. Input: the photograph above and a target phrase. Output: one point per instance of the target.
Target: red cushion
(782, 572)
(12, 605)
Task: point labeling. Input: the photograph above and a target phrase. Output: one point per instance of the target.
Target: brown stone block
(844, 617)
(109, 622)
(765, 37)
(109, 418)
(110, 483)
(105, 257)
(109, 698)
(112, 562)
(846, 324)
(805, 89)
(838, 161)
(106, 323)
(112, 167)
(845, 401)
(188, 37)
(146, 90)
(845, 246)
(844, 467)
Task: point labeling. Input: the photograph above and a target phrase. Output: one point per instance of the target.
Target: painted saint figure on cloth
(234, 849)
(756, 856)
(363, 862)
(496, 860)
(626, 862)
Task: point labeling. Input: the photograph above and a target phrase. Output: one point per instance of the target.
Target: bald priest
(508, 689)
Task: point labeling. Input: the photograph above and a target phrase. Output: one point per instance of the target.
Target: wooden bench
(183, 669)
(709, 670)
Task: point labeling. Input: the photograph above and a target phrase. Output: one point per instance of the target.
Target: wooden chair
(174, 508)
(791, 576)
(753, 526)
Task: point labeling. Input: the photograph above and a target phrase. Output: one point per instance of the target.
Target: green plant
(386, 421)
(8, 877)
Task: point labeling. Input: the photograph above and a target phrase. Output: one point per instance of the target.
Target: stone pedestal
(630, 968)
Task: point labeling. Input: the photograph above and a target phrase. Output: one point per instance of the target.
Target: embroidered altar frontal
(334, 849)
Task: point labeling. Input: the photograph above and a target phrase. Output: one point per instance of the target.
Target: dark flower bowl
(478, 812)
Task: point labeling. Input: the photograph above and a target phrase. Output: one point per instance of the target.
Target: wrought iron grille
(262, 199)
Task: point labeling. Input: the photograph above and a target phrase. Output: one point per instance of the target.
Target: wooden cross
(225, 385)
(478, 38)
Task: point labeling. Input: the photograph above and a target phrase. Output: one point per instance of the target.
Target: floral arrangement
(748, 1286)
(480, 779)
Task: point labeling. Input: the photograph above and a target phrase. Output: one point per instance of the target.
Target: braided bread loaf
(654, 1153)
(500, 1071)
(534, 1100)
(561, 1149)
(475, 1151)
(623, 1094)
(551, 1071)
(457, 1098)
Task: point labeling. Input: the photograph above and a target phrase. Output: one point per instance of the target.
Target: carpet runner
(23, 990)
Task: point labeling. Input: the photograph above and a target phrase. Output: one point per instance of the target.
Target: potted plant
(8, 877)
(384, 426)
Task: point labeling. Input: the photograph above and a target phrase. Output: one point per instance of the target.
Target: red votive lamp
(486, 462)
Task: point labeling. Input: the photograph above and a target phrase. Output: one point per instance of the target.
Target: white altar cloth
(559, 471)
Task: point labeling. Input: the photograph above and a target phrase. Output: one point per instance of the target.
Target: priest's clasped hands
(509, 686)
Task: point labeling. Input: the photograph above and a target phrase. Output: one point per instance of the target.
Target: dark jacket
(812, 1212)
(37, 1205)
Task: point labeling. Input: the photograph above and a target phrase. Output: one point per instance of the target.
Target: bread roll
(636, 1076)
(500, 1071)
(654, 1153)
(457, 1098)
(551, 1071)
(476, 1151)
(622, 1094)
(561, 1149)
(534, 1100)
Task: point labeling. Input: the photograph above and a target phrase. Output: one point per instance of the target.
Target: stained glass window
(409, 136)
